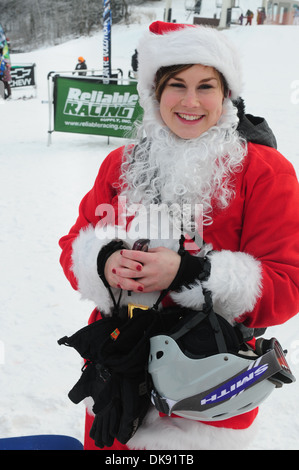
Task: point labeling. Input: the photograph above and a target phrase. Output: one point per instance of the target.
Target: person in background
(2, 63)
(195, 146)
(81, 65)
(2, 70)
(261, 16)
(134, 63)
(7, 79)
(296, 16)
(249, 16)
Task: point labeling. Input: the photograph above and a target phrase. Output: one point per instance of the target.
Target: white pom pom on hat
(166, 44)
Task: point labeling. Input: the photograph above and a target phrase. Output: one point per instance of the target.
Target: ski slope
(41, 187)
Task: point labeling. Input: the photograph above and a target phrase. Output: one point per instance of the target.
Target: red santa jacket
(255, 259)
(255, 238)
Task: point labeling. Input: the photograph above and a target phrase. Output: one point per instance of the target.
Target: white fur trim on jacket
(86, 248)
(235, 283)
(168, 433)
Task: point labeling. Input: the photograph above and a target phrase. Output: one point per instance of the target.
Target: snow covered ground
(41, 187)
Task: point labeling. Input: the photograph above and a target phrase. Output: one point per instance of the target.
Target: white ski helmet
(218, 386)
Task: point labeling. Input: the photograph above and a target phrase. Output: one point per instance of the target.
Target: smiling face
(191, 101)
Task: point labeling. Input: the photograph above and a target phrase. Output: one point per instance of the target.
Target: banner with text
(88, 107)
(22, 75)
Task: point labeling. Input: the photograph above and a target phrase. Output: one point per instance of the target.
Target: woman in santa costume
(195, 148)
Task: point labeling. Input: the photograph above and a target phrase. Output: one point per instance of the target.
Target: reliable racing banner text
(89, 107)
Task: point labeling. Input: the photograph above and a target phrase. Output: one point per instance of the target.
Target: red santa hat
(168, 44)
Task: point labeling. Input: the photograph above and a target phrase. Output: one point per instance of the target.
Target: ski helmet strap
(206, 312)
(219, 336)
(189, 325)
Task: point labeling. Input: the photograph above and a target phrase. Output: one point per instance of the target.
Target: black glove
(108, 410)
(126, 358)
(127, 352)
(119, 411)
(115, 373)
(88, 340)
(92, 383)
(135, 403)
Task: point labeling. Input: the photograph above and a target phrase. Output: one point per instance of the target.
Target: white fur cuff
(191, 297)
(235, 284)
(86, 248)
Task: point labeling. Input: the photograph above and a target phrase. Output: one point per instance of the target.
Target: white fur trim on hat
(187, 44)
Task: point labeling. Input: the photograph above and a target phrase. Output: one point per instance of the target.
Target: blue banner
(107, 22)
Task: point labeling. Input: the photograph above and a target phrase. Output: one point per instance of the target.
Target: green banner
(89, 107)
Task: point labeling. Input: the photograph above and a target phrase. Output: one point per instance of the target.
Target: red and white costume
(254, 267)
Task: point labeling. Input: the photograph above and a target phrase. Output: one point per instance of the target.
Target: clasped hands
(140, 271)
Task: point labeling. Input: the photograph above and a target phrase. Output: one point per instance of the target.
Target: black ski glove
(88, 340)
(135, 403)
(92, 383)
(125, 354)
(108, 410)
(119, 411)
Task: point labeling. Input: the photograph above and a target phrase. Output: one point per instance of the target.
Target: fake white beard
(165, 169)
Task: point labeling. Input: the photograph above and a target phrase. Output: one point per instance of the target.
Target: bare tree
(32, 23)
